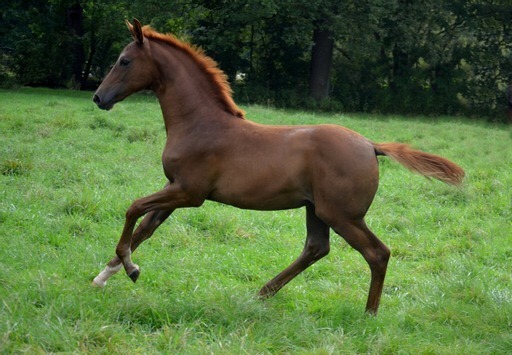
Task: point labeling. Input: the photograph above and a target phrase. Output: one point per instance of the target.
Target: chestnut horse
(213, 153)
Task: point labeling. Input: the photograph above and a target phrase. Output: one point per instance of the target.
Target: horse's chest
(181, 161)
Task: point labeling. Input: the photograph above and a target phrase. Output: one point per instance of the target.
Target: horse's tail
(426, 164)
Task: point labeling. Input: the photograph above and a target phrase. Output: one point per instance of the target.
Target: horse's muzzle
(101, 104)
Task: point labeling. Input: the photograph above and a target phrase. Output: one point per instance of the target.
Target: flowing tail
(426, 164)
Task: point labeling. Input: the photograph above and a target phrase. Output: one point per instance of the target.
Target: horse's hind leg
(316, 247)
(376, 254)
(144, 231)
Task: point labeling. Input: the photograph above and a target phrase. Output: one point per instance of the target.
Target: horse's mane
(216, 76)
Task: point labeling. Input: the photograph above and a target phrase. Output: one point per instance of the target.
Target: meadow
(69, 171)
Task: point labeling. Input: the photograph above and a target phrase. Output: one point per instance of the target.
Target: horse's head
(133, 71)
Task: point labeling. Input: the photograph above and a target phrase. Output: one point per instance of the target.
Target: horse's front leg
(144, 231)
(133, 239)
(168, 199)
(165, 201)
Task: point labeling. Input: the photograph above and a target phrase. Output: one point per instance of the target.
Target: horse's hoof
(266, 293)
(134, 275)
(98, 283)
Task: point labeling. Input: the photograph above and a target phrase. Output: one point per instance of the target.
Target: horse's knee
(134, 211)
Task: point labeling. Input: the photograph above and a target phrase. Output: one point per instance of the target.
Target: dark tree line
(420, 57)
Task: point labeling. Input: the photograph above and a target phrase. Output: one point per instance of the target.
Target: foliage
(70, 171)
(419, 57)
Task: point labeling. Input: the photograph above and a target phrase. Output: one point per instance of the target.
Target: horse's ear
(136, 31)
(129, 25)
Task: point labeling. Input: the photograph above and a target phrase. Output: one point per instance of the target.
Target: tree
(489, 56)
(374, 55)
(321, 61)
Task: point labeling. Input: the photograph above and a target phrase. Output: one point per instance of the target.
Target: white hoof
(97, 282)
(101, 279)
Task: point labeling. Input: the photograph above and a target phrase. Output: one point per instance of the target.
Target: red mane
(217, 77)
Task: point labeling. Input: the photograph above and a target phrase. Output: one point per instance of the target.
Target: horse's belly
(262, 203)
(260, 193)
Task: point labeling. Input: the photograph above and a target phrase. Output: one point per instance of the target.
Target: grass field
(69, 172)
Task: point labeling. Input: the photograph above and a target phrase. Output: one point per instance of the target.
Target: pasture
(69, 172)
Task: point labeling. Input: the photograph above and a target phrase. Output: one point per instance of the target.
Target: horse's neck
(183, 91)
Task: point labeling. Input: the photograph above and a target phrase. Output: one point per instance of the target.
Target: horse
(213, 152)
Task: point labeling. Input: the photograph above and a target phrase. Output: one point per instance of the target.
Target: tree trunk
(75, 22)
(321, 61)
(88, 64)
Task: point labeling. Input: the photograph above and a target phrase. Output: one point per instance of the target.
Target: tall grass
(69, 171)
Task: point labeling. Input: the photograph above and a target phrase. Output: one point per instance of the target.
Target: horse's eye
(124, 62)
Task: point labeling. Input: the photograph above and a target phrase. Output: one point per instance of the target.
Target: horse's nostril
(96, 99)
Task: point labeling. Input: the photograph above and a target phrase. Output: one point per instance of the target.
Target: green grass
(69, 171)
